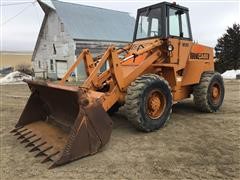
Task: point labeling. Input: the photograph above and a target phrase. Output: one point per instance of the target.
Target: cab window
(173, 23)
(178, 23)
(149, 24)
(185, 26)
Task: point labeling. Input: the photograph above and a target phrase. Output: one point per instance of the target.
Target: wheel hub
(215, 92)
(155, 104)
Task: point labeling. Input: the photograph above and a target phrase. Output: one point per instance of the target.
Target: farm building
(68, 28)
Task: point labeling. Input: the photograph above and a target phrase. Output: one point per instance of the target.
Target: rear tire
(209, 93)
(148, 102)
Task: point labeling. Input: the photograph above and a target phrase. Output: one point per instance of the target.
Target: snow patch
(231, 74)
(15, 77)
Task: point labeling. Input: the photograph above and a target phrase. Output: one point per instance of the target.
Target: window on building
(39, 64)
(54, 49)
(62, 27)
(51, 65)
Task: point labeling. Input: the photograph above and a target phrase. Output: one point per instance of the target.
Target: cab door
(179, 34)
(174, 34)
(186, 39)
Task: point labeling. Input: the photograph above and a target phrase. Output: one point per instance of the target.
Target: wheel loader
(162, 66)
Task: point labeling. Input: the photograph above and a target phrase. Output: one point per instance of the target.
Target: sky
(20, 23)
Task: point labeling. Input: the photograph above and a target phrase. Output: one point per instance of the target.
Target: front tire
(148, 102)
(209, 93)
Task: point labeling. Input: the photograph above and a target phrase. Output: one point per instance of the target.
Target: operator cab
(163, 20)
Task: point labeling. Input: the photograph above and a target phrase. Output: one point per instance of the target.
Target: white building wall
(55, 44)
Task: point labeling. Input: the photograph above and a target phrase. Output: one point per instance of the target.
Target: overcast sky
(20, 24)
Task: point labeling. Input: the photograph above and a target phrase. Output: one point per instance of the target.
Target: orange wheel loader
(160, 67)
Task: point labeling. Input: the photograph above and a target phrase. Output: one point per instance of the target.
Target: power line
(20, 12)
(13, 4)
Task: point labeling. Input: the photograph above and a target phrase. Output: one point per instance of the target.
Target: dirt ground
(192, 145)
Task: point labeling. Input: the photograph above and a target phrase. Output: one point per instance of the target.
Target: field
(14, 58)
(192, 145)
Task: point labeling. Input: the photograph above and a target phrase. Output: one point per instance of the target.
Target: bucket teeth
(35, 148)
(31, 142)
(48, 158)
(15, 130)
(26, 139)
(42, 152)
(19, 132)
(23, 135)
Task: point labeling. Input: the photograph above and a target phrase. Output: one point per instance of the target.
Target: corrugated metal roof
(93, 23)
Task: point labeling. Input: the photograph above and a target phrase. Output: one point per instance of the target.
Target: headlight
(170, 47)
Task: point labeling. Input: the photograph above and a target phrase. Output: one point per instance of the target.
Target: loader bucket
(57, 125)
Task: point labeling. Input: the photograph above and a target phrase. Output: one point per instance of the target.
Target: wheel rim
(156, 103)
(215, 92)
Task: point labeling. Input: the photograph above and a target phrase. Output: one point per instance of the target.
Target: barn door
(61, 68)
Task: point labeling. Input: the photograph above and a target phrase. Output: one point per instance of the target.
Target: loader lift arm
(115, 77)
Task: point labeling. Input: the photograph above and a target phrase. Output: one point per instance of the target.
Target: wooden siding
(54, 44)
